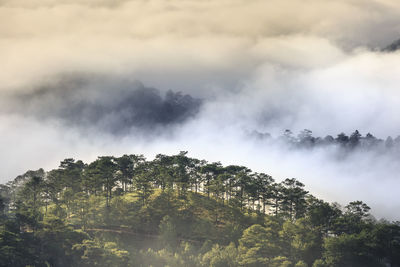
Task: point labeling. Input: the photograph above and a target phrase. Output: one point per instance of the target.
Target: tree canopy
(180, 211)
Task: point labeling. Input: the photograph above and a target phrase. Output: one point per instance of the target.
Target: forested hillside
(180, 211)
(345, 143)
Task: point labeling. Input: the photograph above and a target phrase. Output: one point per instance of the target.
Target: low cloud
(105, 104)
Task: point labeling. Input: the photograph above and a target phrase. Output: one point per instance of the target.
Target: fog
(89, 78)
(113, 105)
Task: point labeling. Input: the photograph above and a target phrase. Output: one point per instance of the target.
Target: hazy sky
(87, 78)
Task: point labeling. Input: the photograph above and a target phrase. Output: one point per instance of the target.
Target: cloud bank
(105, 104)
(69, 85)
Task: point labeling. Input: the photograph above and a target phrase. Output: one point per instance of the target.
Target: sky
(88, 78)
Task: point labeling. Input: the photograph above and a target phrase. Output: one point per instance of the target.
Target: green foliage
(257, 245)
(180, 211)
(301, 264)
(220, 256)
(280, 261)
(97, 253)
(302, 240)
(168, 233)
(350, 250)
(319, 263)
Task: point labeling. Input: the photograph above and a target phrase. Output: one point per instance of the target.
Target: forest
(346, 143)
(176, 211)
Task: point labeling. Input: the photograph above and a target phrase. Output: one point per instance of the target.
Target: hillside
(180, 211)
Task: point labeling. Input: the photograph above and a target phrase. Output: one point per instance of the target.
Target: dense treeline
(354, 141)
(180, 211)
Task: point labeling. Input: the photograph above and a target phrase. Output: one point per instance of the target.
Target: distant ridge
(392, 47)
